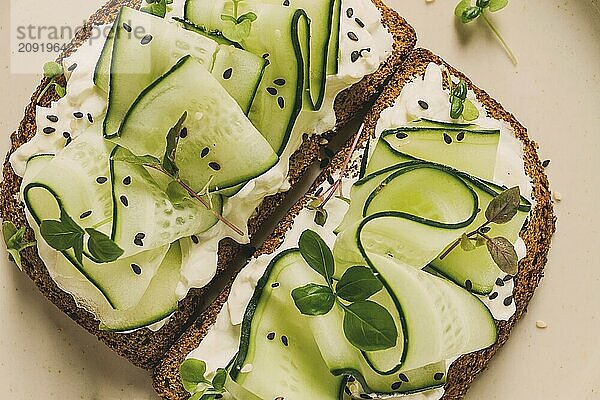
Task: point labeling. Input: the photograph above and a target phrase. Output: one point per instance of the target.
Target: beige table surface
(554, 91)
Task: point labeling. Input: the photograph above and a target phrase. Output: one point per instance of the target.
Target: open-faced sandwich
(177, 138)
(403, 270)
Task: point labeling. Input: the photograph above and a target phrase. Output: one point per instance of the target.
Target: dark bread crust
(536, 234)
(143, 347)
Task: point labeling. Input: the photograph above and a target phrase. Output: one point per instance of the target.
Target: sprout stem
(495, 31)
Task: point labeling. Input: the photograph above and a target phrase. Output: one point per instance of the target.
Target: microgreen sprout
(52, 71)
(467, 12)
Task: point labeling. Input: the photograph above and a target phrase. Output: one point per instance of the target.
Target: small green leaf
(504, 255)
(466, 244)
(219, 379)
(460, 90)
(470, 112)
(358, 283)
(504, 206)
(60, 236)
(177, 194)
(481, 241)
(456, 108)
(8, 231)
(237, 32)
(168, 162)
(461, 7)
(53, 69)
(192, 373)
(101, 247)
(228, 18)
(497, 5)
(369, 326)
(60, 90)
(482, 3)
(313, 299)
(470, 14)
(157, 8)
(78, 249)
(321, 217)
(147, 161)
(314, 204)
(14, 239)
(317, 254)
(250, 16)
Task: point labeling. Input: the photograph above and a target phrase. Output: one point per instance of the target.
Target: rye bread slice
(144, 347)
(536, 234)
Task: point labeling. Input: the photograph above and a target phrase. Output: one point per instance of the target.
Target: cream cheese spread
(222, 341)
(85, 105)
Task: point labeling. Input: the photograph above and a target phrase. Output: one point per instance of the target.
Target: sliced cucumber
(278, 356)
(301, 45)
(137, 61)
(157, 303)
(145, 217)
(222, 147)
(466, 148)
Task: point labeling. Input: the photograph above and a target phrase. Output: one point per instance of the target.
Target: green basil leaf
(78, 249)
(358, 283)
(321, 217)
(219, 379)
(313, 299)
(59, 235)
(461, 7)
(53, 69)
(504, 255)
(237, 32)
(369, 326)
(470, 112)
(168, 162)
(504, 206)
(229, 18)
(470, 14)
(497, 5)
(102, 247)
(317, 254)
(8, 231)
(192, 373)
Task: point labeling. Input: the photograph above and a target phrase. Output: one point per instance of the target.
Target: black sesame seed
(359, 22)
(78, 114)
(195, 239)
(66, 135)
(271, 336)
(140, 235)
(205, 152)
(127, 27)
(215, 166)
(351, 379)
(485, 229)
(330, 180)
(90, 118)
(146, 39)
(319, 191)
(324, 163)
(124, 201)
(127, 181)
(72, 67)
(101, 179)
(286, 3)
(227, 73)
(352, 36)
(365, 396)
(48, 130)
(403, 378)
(423, 105)
(401, 135)
(507, 278)
(138, 242)
(396, 385)
(136, 269)
(52, 118)
(439, 376)
(493, 295)
(284, 340)
(279, 82)
(508, 301)
(68, 142)
(85, 214)
(184, 132)
(468, 285)
(355, 56)
(272, 91)
(349, 12)
(461, 136)
(545, 163)
(499, 282)
(275, 285)
(281, 102)
(447, 138)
